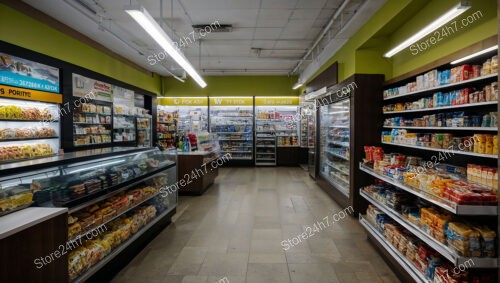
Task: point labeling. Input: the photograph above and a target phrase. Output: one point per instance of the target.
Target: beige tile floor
(235, 230)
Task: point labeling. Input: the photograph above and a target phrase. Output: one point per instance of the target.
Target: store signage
(231, 101)
(277, 101)
(19, 72)
(183, 101)
(29, 94)
(123, 97)
(82, 86)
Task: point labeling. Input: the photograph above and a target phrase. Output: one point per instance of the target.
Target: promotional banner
(82, 86)
(18, 72)
(29, 94)
(231, 101)
(183, 101)
(277, 101)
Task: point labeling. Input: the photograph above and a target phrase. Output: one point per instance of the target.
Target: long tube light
(448, 16)
(146, 21)
(297, 85)
(475, 54)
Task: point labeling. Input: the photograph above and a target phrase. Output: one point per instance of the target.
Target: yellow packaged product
(463, 239)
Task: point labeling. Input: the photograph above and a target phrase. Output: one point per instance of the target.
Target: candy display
(436, 78)
(456, 97)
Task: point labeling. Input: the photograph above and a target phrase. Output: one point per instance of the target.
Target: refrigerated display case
(308, 135)
(28, 129)
(232, 120)
(335, 144)
(342, 132)
(124, 193)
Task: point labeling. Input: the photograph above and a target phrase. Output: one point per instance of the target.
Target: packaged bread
(488, 237)
(463, 239)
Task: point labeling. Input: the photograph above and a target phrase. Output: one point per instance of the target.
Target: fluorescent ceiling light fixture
(475, 54)
(297, 85)
(146, 21)
(448, 16)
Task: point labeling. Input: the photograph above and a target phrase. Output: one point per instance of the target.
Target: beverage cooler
(342, 132)
(308, 135)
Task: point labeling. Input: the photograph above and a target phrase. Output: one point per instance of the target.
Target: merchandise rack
(401, 259)
(488, 213)
(452, 256)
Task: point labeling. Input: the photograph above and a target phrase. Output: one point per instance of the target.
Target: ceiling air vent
(213, 27)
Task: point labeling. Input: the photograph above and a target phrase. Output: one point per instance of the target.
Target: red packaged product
(378, 153)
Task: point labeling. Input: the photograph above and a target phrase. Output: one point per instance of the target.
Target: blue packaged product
(446, 99)
(439, 99)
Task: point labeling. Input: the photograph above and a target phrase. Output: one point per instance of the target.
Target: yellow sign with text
(183, 101)
(231, 101)
(277, 101)
(29, 94)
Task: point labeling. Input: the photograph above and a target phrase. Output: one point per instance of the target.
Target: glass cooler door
(334, 144)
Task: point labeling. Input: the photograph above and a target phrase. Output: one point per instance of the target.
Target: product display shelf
(467, 105)
(337, 155)
(20, 120)
(452, 207)
(83, 123)
(451, 85)
(262, 155)
(492, 156)
(452, 256)
(28, 139)
(230, 133)
(74, 239)
(401, 259)
(329, 163)
(340, 126)
(89, 199)
(488, 129)
(99, 265)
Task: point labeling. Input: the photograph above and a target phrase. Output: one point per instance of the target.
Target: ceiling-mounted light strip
(448, 16)
(146, 21)
(297, 85)
(475, 54)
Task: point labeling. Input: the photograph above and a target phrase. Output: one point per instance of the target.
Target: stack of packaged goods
(436, 78)
(478, 143)
(450, 120)
(430, 263)
(116, 232)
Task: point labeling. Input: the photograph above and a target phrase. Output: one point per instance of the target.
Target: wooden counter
(196, 173)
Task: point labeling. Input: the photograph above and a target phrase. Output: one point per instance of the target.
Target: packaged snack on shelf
(463, 239)
(488, 237)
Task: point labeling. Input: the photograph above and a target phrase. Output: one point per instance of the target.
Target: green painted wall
(395, 22)
(232, 86)
(485, 26)
(24, 31)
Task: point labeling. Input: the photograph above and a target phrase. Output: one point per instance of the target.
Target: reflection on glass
(335, 143)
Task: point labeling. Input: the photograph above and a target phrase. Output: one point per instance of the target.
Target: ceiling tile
(305, 14)
(279, 4)
(271, 14)
(311, 4)
(267, 33)
(272, 23)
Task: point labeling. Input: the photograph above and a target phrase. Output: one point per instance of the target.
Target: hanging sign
(183, 101)
(86, 87)
(19, 72)
(277, 101)
(29, 94)
(231, 101)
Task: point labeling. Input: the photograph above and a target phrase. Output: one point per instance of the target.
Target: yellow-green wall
(363, 52)
(232, 86)
(24, 31)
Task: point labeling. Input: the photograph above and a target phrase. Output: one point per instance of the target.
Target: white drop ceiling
(269, 37)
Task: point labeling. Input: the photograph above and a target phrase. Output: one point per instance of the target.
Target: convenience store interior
(249, 141)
